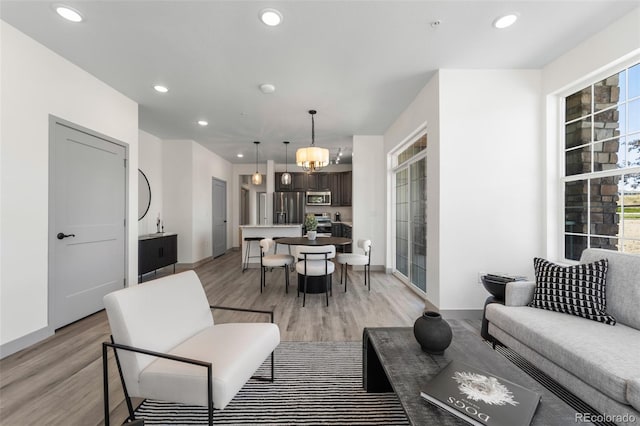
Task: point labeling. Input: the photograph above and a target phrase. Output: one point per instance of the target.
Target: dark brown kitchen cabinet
(339, 183)
(322, 183)
(156, 251)
(345, 196)
(299, 181)
(335, 186)
(312, 181)
(347, 233)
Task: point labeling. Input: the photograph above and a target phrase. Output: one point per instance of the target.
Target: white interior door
(219, 209)
(88, 235)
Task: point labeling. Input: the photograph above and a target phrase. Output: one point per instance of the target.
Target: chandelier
(312, 158)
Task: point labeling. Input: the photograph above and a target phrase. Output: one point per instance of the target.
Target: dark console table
(392, 360)
(156, 251)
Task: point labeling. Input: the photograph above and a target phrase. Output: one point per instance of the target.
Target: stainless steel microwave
(321, 198)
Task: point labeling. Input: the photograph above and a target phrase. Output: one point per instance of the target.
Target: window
(410, 181)
(601, 179)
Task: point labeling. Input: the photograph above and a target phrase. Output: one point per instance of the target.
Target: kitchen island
(265, 231)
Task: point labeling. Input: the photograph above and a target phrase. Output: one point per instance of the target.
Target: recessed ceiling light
(267, 88)
(270, 17)
(203, 123)
(161, 89)
(239, 155)
(68, 13)
(505, 21)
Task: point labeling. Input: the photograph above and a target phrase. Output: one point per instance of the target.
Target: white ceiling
(359, 63)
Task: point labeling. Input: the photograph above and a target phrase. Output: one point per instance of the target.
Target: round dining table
(319, 241)
(314, 284)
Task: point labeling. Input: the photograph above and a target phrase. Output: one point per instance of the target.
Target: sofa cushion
(633, 393)
(577, 290)
(235, 350)
(604, 357)
(623, 290)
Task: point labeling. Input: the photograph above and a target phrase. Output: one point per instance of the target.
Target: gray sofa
(597, 362)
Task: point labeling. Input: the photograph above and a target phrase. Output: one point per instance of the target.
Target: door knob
(61, 235)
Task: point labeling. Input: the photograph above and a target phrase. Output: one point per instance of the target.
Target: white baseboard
(475, 314)
(23, 342)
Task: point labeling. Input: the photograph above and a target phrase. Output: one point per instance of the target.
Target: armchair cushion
(315, 267)
(352, 259)
(235, 350)
(275, 260)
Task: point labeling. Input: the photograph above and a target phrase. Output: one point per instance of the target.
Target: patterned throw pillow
(577, 290)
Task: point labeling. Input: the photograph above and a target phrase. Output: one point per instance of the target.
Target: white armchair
(168, 348)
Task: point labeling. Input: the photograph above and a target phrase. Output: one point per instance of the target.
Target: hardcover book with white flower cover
(481, 398)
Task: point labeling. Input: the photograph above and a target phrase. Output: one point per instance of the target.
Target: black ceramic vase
(432, 332)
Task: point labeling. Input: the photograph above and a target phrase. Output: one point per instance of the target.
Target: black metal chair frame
(327, 287)
(207, 365)
(263, 273)
(344, 270)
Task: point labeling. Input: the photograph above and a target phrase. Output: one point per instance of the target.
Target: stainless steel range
(324, 224)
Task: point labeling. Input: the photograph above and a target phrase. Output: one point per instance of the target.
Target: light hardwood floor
(59, 381)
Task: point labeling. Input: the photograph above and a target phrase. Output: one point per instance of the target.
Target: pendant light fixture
(256, 178)
(285, 178)
(312, 158)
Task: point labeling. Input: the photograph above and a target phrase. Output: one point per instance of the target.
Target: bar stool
(247, 253)
(275, 239)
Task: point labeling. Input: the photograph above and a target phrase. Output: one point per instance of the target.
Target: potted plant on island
(311, 224)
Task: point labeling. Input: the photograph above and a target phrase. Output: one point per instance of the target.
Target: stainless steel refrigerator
(288, 207)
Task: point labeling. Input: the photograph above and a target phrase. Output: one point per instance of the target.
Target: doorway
(87, 221)
(219, 217)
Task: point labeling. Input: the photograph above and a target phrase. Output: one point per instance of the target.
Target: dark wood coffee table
(393, 361)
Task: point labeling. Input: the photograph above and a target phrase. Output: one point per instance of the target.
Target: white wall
(424, 110)
(490, 180)
(177, 199)
(207, 165)
(614, 44)
(483, 182)
(368, 199)
(150, 162)
(188, 172)
(35, 83)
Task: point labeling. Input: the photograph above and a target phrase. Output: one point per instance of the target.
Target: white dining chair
(276, 260)
(313, 261)
(356, 259)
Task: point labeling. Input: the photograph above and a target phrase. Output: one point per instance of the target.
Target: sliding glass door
(411, 215)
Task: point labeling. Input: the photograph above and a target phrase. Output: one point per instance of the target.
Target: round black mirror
(144, 195)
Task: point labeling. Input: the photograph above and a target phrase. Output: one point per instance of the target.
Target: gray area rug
(316, 383)
(319, 383)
